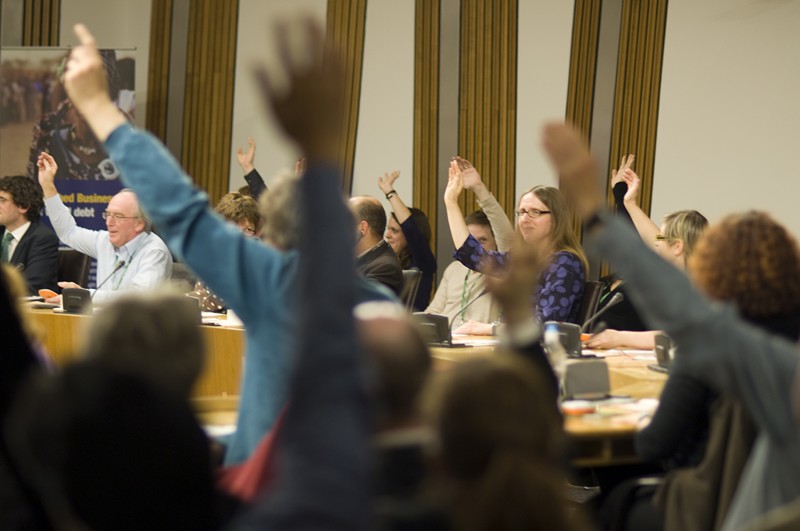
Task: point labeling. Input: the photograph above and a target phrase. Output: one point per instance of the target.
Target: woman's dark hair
(421, 219)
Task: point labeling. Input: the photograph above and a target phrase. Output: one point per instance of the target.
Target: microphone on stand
(616, 299)
(119, 266)
(483, 292)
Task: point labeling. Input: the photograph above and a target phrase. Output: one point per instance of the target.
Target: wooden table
(218, 384)
(598, 441)
(216, 395)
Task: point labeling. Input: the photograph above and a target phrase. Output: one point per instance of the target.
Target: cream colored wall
(115, 24)
(255, 43)
(545, 40)
(729, 117)
(385, 140)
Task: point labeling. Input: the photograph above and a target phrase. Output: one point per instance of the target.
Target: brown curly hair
(751, 260)
(26, 193)
(238, 208)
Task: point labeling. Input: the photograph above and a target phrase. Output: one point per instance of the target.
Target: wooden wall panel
(488, 96)
(641, 51)
(158, 68)
(583, 64)
(208, 107)
(41, 21)
(346, 21)
(426, 109)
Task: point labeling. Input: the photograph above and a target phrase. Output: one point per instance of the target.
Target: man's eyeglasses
(532, 213)
(117, 216)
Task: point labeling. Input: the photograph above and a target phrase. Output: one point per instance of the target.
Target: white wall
(255, 43)
(545, 41)
(729, 117)
(385, 140)
(115, 24)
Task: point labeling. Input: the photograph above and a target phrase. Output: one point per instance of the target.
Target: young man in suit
(27, 244)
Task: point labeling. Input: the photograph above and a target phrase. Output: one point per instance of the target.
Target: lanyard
(465, 295)
(117, 284)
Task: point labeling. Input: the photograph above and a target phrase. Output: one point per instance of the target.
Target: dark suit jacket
(36, 256)
(381, 265)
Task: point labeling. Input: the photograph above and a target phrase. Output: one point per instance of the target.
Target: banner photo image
(36, 115)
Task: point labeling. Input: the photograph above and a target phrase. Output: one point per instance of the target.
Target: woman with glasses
(542, 220)
(674, 241)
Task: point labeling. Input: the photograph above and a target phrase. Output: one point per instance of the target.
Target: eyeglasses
(117, 216)
(249, 231)
(533, 213)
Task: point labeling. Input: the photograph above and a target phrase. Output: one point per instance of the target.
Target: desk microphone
(119, 266)
(616, 299)
(483, 292)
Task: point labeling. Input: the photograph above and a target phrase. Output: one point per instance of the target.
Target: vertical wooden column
(346, 21)
(41, 21)
(426, 109)
(641, 52)
(583, 64)
(158, 68)
(208, 107)
(488, 95)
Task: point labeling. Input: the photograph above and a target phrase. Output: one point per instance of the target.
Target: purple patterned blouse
(559, 292)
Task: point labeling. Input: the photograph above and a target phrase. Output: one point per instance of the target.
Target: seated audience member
(242, 211)
(257, 281)
(716, 346)
(256, 186)
(460, 285)
(674, 241)
(753, 262)
(375, 258)
(129, 256)
(409, 234)
(27, 244)
(501, 439)
(153, 336)
(103, 449)
(544, 223)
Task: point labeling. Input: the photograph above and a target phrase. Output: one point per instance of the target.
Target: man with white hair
(129, 256)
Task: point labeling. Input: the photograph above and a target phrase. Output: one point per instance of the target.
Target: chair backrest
(411, 278)
(590, 301)
(73, 266)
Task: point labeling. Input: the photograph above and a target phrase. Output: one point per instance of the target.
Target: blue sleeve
(232, 265)
(323, 451)
(561, 289)
(472, 255)
(422, 258)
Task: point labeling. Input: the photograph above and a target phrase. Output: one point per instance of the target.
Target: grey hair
(280, 209)
(154, 336)
(140, 213)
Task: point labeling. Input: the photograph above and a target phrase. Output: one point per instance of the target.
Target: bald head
(125, 219)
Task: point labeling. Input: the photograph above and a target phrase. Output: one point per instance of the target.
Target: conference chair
(590, 301)
(73, 266)
(411, 279)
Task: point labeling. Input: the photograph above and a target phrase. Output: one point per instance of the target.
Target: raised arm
(713, 343)
(251, 175)
(455, 218)
(502, 228)
(644, 225)
(619, 188)
(386, 184)
(67, 230)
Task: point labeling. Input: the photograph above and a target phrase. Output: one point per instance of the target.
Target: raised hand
(246, 158)
(469, 174)
(455, 183)
(633, 181)
(624, 164)
(300, 166)
(47, 173)
(310, 111)
(386, 183)
(572, 161)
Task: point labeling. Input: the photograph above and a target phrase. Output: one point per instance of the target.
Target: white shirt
(18, 233)
(148, 262)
